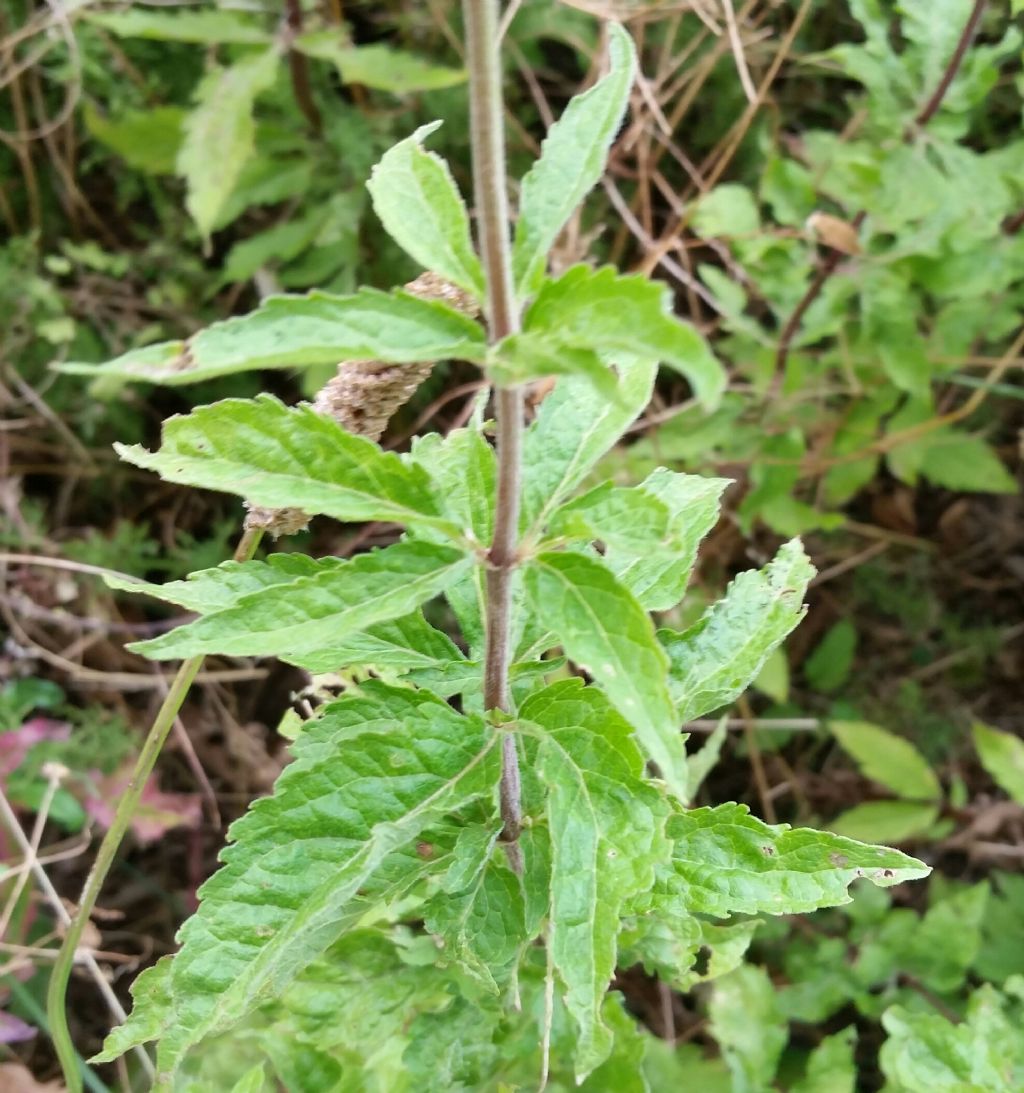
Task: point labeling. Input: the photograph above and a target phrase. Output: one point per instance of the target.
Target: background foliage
(856, 261)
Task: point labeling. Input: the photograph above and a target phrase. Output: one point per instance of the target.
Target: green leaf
(946, 456)
(1002, 755)
(294, 331)
(888, 759)
(683, 1067)
(283, 457)
(606, 828)
(377, 66)
(224, 585)
(714, 661)
(479, 910)
(277, 245)
(668, 946)
(407, 645)
(728, 210)
(605, 631)
(420, 207)
(886, 821)
(945, 942)
(151, 997)
(364, 1017)
(703, 762)
(773, 679)
(622, 1070)
(575, 426)
(303, 619)
(750, 1030)
(925, 1053)
(451, 1048)
(728, 862)
(220, 132)
(831, 1067)
(463, 475)
(372, 773)
(522, 357)
(147, 140)
(571, 162)
(252, 1081)
(1001, 953)
(627, 518)
(788, 188)
(19, 697)
(604, 311)
(659, 574)
(959, 461)
(829, 666)
(403, 645)
(210, 27)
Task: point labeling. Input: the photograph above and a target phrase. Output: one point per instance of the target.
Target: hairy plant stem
(167, 714)
(931, 107)
(487, 135)
(299, 69)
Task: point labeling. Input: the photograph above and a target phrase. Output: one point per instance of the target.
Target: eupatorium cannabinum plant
(465, 846)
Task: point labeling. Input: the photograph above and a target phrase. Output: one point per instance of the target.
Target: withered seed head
(363, 395)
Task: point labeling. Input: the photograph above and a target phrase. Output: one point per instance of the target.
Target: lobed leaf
(728, 862)
(303, 619)
(713, 662)
(415, 196)
(606, 828)
(283, 457)
(603, 311)
(220, 132)
(298, 331)
(604, 630)
(571, 162)
(368, 776)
